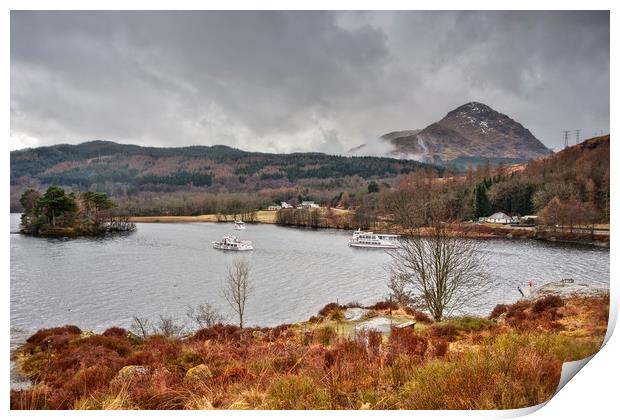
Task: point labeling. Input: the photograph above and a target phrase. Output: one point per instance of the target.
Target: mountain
(108, 166)
(470, 133)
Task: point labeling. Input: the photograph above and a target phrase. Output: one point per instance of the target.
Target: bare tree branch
(445, 271)
(140, 327)
(204, 315)
(237, 287)
(168, 327)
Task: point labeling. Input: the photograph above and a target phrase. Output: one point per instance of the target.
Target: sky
(300, 81)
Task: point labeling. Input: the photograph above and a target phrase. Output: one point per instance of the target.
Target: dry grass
(513, 360)
(262, 216)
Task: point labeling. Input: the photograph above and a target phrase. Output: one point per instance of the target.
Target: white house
(308, 205)
(499, 217)
(286, 205)
(274, 208)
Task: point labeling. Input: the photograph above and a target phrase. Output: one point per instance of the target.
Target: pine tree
(482, 207)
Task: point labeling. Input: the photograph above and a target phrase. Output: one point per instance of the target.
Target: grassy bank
(262, 216)
(511, 359)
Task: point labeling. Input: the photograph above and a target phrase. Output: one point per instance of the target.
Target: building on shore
(285, 205)
(500, 218)
(308, 205)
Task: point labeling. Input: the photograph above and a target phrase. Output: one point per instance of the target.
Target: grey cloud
(299, 81)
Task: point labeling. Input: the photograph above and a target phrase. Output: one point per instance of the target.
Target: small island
(57, 213)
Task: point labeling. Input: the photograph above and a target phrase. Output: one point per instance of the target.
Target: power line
(566, 138)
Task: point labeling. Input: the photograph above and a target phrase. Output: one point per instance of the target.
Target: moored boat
(232, 243)
(239, 225)
(361, 239)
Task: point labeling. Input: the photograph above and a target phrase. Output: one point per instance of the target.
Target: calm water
(162, 268)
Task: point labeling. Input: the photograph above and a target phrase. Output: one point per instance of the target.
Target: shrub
(115, 332)
(188, 359)
(445, 331)
(404, 340)
(498, 310)
(468, 323)
(419, 316)
(384, 305)
(89, 379)
(330, 308)
(547, 302)
(400, 370)
(511, 372)
(120, 345)
(41, 336)
(325, 335)
(33, 398)
(218, 332)
(235, 372)
(440, 347)
(282, 330)
(517, 310)
(296, 393)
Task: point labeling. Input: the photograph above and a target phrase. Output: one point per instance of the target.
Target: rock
(201, 371)
(380, 323)
(566, 288)
(258, 334)
(131, 371)
(86, 334)
(355, 314)
(134, 338)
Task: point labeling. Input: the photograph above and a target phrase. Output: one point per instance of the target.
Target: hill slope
(471, 132)
(104, 165)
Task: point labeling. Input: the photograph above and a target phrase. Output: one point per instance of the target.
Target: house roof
(499, 215)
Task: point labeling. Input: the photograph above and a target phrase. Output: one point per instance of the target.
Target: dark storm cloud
(276, 81)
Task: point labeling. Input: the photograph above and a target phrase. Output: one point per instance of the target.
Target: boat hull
(233, 248)
(383, 246)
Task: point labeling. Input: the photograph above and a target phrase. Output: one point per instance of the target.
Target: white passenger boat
(361, 239)
(239, 225)
(232, 243)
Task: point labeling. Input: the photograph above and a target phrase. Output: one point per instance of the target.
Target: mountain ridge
(472, 130)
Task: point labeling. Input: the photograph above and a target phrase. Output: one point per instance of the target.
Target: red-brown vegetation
(458, 363)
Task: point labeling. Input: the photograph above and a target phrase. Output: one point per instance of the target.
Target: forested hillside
(128, 170)
(569, 187)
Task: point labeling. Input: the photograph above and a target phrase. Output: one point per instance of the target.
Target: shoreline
(462, 230)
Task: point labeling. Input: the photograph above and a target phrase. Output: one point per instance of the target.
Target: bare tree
(140, 327)
(446, 272)
(168, 327)
(204, 315)
(399, 290)
(237, 287)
